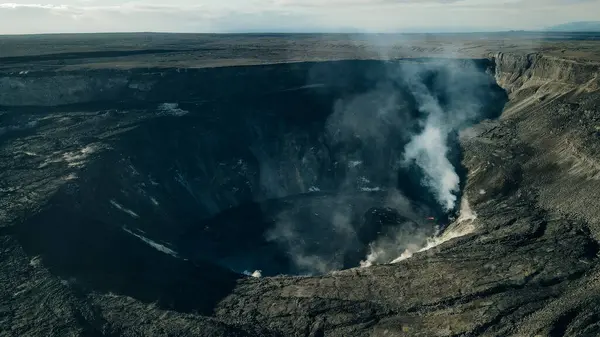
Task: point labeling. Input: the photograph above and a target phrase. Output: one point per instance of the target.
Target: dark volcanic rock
(132, 201)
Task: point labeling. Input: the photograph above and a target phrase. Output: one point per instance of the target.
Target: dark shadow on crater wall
(497, 99)
(352, 134)
(295, 235)
(225, 174)
(96, 254)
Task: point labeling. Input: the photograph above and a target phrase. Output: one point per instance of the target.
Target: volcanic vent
(287, 169)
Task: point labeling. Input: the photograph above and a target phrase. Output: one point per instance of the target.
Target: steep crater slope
(529, 263)
(554, 113)
(166, 186)
(108, 211)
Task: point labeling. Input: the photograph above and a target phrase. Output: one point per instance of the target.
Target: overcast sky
(55, 16)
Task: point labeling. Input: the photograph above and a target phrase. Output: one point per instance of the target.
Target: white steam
(458, 86)
(429, 150)
(255, 274)
(409, 236)
(386, 249)
(408, 120)
(317, 232)
(461, 227)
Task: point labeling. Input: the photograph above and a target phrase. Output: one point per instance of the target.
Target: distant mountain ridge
(582, 26)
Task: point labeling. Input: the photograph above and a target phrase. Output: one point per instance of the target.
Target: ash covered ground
(299, 185)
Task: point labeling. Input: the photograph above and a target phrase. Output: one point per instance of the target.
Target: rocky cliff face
(553, 111)
(518, 72)
(103, 205)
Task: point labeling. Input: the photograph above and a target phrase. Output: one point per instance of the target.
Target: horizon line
(304, 33)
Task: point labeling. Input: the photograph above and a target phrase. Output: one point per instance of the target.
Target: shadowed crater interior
(285, 169)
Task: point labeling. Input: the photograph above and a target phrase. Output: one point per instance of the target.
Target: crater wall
(298, 149)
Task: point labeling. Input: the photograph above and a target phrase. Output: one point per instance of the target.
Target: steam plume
(461, 227)
(429, 151)
(458, 85)
(408, 119)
